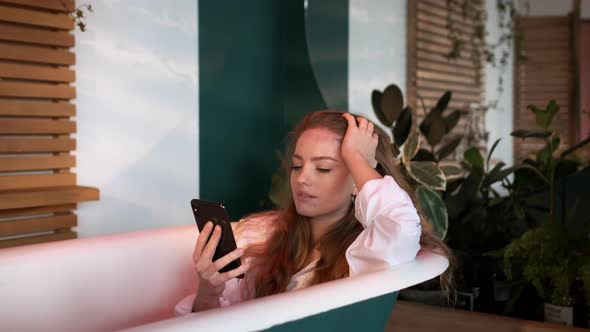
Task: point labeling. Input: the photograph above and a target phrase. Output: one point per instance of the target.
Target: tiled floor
(414, 317)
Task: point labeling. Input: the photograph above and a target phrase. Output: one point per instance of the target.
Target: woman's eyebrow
(298, 157)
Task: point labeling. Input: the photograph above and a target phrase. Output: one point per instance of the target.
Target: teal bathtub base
(368, 315)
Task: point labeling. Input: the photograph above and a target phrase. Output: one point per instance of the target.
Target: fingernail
(240, 251)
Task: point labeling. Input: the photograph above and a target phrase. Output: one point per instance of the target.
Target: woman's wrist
(360, 169)
(201, 304)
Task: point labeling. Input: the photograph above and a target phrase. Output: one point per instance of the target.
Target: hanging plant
(78, 16)
(480, 50)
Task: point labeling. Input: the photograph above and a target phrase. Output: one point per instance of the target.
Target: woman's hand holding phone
(211, 281)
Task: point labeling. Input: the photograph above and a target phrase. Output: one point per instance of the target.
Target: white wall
(137, 87)
(499, 120)
(377, 51)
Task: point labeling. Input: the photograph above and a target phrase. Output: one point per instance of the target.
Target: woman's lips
(303, 196)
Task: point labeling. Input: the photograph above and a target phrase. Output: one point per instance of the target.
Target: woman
(349, 211)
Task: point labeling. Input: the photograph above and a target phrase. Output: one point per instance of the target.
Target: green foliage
(78, 16)
(547, 256)
(550, 260)
(427, 173)
(473, 157)
(410, 148)
(434, 208)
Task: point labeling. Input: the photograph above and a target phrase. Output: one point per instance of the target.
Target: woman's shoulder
(254, 228)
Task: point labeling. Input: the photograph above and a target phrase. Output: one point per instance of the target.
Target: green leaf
(473, 157)
(424, 155)
(403, 126)
(443, 102)
(392, 102)
(527, 133)
(546, 152)
(427, 173)
(433, 127)
(395, 150)
(410, 148)
(492, 152)
(499, 175)
(544, 117)
(575, 147)
(376, 103)
(451, 120)
(449, 148)
(434, 210)
(471, 185)
(497, 168)
(451, 171)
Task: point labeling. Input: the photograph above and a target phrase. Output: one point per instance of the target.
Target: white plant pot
(559, 314)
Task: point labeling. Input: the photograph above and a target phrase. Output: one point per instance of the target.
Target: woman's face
(320, 181)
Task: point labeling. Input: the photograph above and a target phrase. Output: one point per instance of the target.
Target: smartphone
(204, 212)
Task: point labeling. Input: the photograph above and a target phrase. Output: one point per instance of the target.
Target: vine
(481, 50)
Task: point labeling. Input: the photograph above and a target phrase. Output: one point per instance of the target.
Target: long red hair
(291, 244)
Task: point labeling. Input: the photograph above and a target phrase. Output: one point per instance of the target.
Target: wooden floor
(414, 317)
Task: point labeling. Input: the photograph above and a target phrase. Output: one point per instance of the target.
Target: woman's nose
(303, 176)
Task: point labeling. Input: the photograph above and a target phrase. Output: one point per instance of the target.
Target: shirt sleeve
(392, 228)
(246, 232)
(231, 294)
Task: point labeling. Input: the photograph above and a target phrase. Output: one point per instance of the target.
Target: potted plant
(421, 154)
(553, 257)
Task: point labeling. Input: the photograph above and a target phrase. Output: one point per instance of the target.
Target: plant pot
(501, 289)
(559, 314)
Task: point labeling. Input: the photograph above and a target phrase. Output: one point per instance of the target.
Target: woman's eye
(324, 170)
(295, 168)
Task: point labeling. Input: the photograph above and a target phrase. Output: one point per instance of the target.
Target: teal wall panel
(256, 81)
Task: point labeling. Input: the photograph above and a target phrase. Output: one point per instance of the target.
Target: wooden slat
(47, 196)
(36, 54)
(442, 57)
(37, 73)
(37, 90)
(546, 74)
(442, 5)
(27, 126)
(56, 5)
(424, 55)
(456, 96)
(430, 84)
(12, 164)
(37, 225)
(36, 18)
(37, 210)
(31, 35)
(35, 108)
(440, 40)
(18, 182)
(37, 145)
(453, 105)
(445, 68)
(446, 77)
(37, 239)
(426, 29)
(442, 23)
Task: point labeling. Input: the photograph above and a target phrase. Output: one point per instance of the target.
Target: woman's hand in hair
(358, 150)
(359, 140)
(211, 281)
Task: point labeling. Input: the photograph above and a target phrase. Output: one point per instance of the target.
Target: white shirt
(390, 237)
